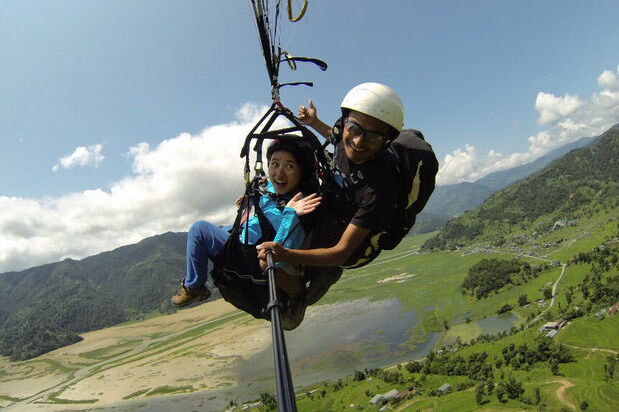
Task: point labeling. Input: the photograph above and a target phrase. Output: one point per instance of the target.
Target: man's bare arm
(334, 256)
(309, 116)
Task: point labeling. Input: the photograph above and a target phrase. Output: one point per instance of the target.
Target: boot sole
(197, 299)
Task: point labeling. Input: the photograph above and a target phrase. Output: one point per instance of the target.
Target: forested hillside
(45, 307)
(449, 201)
(580, 184)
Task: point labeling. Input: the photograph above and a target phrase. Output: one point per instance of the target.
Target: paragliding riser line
(286, 401)
(273, 56)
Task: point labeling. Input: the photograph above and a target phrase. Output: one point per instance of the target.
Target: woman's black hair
(303, 153)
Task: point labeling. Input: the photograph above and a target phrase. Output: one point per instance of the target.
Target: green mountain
(580, 184)
(502, 179)
(452, 200)
(449, 201)
(45, 307)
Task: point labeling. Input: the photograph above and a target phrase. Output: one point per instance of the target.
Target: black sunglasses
(369, 136)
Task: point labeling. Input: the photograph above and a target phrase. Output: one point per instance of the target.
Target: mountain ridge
(583, 181)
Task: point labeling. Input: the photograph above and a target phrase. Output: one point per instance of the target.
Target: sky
(124, 119)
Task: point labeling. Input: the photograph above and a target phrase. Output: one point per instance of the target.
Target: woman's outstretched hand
(306, 205)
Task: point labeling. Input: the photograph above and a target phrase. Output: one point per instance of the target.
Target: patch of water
(332, 342)
(337, 339)
(496, 324)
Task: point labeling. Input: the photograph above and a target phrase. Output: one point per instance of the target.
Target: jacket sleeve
(252, 229)
(290, 233)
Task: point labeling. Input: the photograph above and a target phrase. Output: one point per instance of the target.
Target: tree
(522, 300)
(513, 388)
(479, 393)
(358, 375)
(547, 293)
(554, 366)
(609, 368)
(505, 308)
(538, 396)
(500, 392)
(569, 296)
(268, 400)
(413, 366)
(584, 405)
(490, 386)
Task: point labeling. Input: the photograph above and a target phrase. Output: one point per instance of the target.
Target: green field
(591, 332)
(430, 286)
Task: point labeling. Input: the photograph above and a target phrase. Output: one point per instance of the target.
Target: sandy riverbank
(142, 356)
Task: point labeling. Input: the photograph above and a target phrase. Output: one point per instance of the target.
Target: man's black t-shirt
(372, 188)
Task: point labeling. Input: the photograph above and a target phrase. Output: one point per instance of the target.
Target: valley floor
(393, 311)
(192, 350)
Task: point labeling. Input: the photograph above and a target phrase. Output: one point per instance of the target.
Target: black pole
(286, 401)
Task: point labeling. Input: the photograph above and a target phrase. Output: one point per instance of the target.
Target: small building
(548, 285)
(547, 326)
(613, 309)
(552, 333)
(377, 398)
(557, 324)
(445, 388)
(391, 394)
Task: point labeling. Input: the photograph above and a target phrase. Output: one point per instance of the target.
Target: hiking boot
(186, 296)
(294, 313)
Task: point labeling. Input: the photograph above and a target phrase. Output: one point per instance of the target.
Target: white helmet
(378, 101)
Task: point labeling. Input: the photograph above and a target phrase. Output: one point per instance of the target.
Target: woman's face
(284, 172)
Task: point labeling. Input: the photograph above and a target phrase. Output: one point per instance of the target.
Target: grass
(9, 398)
(54, 399)
(136, 394)
(164, 390)
(110, 351)
(57, 366)
(591, 332)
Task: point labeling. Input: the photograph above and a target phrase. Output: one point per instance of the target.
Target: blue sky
(122, 119)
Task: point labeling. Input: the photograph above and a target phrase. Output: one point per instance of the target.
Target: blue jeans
(203, 242)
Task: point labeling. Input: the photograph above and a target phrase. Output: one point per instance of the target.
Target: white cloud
(81, 156)
(552, 108)
(180, 180)
(568, 117)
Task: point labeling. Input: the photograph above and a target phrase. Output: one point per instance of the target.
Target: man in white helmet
(372, 116)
